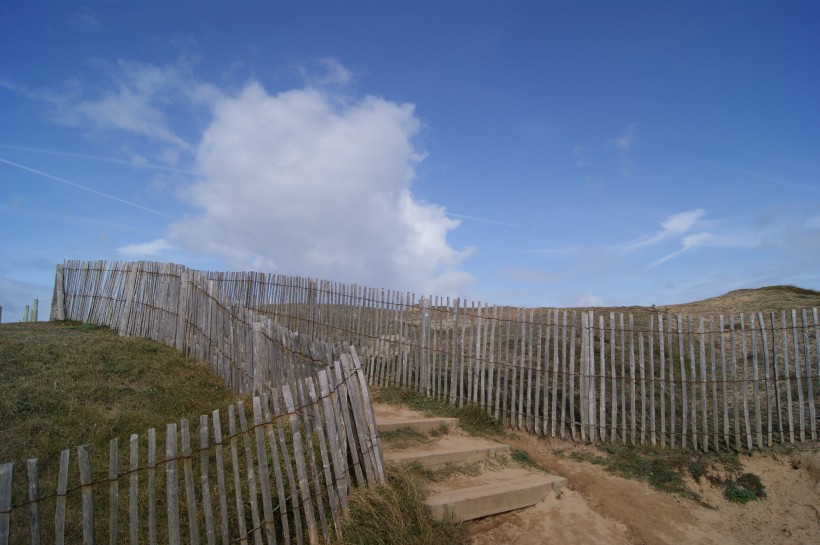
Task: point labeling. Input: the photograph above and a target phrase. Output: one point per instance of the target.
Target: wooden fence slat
(34, 500)
(776, 381)
(714, 379)
(726, 438)
(798, 378)
(363, 431)
(319, 430)
(653, 438)
(152, 486)
(113, 491)
(756, 383)
(219, 457)
(369, 415)
(292, 481)
(584, 371)
(133, 489)
(501, 399)
(624, 428)
(547, 360)
(204, 483)
(613, 419)
(662, 372)
(643, 387)
(602, 377)
(632, 411)
(563, 419)
(277, 468)
(84, 463)
(59, 507)
(809, 379)
(253, 494)
(264, 479)
(299, 458)
(237, 479)
(767, 378)
(336, 435)
(693, 382)
(536, 415)
(704, 378)
(172, 484)
(786, 374)
(672, 405)
(6, 474)
(190, 494)
(513, 408)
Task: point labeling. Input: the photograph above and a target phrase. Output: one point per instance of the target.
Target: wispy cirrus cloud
(708, 240)
(136, 100)
(673, 226)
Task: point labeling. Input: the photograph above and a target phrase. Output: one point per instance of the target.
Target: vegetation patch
(395, 513)
(666, 469)
(745, 488)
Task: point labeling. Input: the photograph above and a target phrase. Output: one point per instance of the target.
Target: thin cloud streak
(674, 226)
(137, 165)
(85, 188)
(484, 220)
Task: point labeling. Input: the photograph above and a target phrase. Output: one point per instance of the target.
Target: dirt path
(598, 507)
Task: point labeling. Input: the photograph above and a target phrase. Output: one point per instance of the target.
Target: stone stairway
(498, 488)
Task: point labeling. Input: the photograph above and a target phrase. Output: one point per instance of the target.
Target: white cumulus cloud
(307, 182)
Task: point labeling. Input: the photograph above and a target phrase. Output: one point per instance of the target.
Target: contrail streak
(484, 220)
(98, 158)
(84, 188)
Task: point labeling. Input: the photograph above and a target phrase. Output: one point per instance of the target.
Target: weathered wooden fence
(738, 381)
(281, 475)
(312, 437)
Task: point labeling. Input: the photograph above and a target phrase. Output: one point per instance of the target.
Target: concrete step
(448, 449)
(420, 425)
(467, 498)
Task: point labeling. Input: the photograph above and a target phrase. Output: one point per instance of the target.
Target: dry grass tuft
(395, 513)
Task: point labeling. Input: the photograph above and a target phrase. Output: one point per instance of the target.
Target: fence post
(58, 299)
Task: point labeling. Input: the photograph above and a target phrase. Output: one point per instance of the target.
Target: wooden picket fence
(313, 434)
(735, 380)
(282, 477)
(726, 381)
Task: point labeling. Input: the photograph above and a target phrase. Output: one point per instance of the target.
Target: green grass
(68, 384)
(745, 488)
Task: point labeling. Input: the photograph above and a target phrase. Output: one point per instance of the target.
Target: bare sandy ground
(598, 507)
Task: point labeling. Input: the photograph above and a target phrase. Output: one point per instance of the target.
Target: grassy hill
(66, 384)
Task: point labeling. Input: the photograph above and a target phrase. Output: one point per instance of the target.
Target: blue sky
(549, 153)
